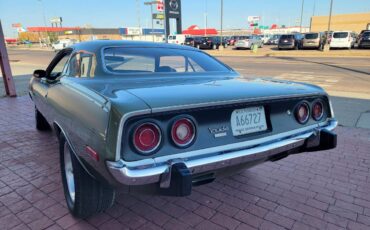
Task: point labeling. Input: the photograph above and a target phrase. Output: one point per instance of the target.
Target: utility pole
(5, 67)
(300, 27)
(222, 15)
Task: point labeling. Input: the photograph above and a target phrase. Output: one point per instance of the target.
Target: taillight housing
(317, 110)
(302, 113)
(183, 132)
(146, 138)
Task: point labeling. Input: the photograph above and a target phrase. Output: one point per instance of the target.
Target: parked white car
(246, 42)
(63, 43)
(265, 38)
(177, 39)
(343, 39)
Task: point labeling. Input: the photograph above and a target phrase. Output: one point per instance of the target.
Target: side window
(80, 65)
(73, 66)
(85, 65)
(59, 67)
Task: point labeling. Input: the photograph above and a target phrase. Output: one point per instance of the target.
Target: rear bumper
(364, 44)
(286, 46)
(310, 45)
(312, 138)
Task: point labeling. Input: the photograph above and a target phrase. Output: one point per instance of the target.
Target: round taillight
(183, 132)
(302, 113)
(317, 110)
(147, 138)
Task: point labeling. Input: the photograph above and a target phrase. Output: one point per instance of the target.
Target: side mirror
(39, 73)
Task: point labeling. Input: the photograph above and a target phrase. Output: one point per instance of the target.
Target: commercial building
(351, 22)
(51, 34)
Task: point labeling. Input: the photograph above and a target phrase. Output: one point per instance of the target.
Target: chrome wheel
(68, 170)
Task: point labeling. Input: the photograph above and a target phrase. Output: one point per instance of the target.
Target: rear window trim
(105, 69)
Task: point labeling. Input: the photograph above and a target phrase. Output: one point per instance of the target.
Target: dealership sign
(133, 30)
(158, 16)
(253, 18)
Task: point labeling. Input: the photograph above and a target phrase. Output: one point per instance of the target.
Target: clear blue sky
(124, 13)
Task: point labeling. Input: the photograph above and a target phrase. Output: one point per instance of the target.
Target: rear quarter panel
(83, 116)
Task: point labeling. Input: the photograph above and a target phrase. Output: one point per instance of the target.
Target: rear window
(311, 36)
(340, 35)
(159, 60)
(286, 36)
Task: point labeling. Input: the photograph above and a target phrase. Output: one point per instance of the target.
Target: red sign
(160, 6)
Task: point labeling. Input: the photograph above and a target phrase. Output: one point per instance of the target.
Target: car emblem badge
(219, 132)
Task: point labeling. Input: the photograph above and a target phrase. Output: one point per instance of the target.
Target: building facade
(351, 22)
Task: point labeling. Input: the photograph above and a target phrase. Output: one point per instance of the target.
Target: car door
(41, 88)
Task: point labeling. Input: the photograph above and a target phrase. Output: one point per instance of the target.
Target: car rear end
(364, 40)
(172, 39)
(243, 43)
(340, 39)
(206, 43)
(311, 40)
(286, 41)
(189, 41)
(175, 149)
(202, 124)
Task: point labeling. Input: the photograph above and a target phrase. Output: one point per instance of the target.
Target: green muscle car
(161, 118)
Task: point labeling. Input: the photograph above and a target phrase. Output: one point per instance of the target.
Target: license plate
(285, 40)
(248, 120)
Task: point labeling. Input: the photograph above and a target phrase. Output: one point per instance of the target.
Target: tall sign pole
(5, 67)
(172, 9)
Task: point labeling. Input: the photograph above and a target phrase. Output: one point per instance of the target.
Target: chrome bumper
(155, 170)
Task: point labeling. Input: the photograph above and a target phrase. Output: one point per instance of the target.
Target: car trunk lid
(203, 92)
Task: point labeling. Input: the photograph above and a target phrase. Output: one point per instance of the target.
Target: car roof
(97, 45)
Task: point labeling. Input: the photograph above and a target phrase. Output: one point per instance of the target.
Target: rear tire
(84, 195)
(41, 123)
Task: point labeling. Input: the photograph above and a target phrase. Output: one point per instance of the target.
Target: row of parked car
(312, 40)
(336, 39)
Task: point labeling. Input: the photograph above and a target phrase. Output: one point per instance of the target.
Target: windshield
(159, 60)
(311, 36)
(286, 36)
(366, 34)
(189, 39)
(340, 35)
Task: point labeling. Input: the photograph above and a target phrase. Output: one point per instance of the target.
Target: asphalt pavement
(346, 79)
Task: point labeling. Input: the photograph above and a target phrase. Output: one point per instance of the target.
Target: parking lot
(319, 190)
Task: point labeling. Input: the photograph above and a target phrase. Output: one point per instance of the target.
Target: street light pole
(300, 27)
(327, 47)
(151, 14)
(222, 15)
(138, 16)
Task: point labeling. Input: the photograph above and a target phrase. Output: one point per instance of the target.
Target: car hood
(177, 92)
